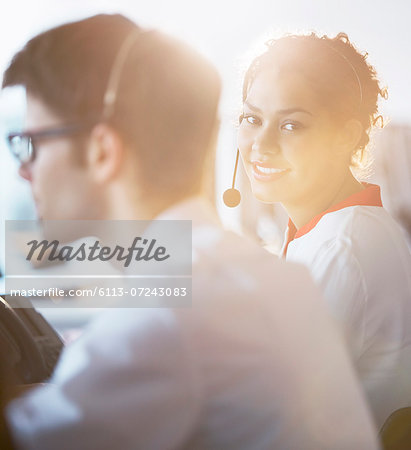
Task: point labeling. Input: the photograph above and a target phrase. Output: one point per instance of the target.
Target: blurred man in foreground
(255, 362)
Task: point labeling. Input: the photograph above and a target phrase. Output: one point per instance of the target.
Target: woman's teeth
(269, 170)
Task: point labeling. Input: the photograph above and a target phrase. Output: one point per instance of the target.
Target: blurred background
(228, 32)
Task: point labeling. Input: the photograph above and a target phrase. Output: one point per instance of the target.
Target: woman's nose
(25, 172)
(266, 141)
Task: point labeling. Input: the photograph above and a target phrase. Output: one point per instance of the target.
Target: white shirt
(359, 257)
(255, 363)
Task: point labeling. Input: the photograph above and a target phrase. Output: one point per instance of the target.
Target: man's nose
(267, 141)
(25, 172)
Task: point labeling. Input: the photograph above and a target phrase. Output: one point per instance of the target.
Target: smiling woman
(309, 103)
(284, 114)
(305, 96)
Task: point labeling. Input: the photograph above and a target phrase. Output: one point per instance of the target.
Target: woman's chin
(266, 197)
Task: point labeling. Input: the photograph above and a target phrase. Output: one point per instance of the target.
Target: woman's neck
(301, 214)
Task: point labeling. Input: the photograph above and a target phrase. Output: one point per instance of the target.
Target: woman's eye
(291, 126)
(253, 120)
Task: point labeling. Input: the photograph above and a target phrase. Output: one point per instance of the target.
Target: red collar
(370, 196)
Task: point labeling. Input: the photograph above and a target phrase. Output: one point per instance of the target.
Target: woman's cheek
(244, 141)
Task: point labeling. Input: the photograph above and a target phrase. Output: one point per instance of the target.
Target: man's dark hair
(167, 97)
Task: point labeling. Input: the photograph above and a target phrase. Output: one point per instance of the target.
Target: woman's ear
(349, 136)
(105, 153)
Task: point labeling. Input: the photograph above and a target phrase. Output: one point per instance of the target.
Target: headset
(232, 196)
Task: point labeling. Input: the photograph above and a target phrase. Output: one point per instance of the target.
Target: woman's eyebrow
(280, 112)
(251, 106)
(293, 110)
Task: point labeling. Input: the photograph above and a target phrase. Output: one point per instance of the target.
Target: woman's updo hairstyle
(345, 83)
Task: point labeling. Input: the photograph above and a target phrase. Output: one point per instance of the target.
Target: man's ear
(105, 153)
(349, 136)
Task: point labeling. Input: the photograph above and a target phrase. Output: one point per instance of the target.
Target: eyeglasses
(22, 145)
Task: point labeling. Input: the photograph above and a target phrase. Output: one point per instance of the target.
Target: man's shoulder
(131, 326)
(224, 248)
(237, 266)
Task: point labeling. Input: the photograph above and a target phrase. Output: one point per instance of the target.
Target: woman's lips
(263, 171)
